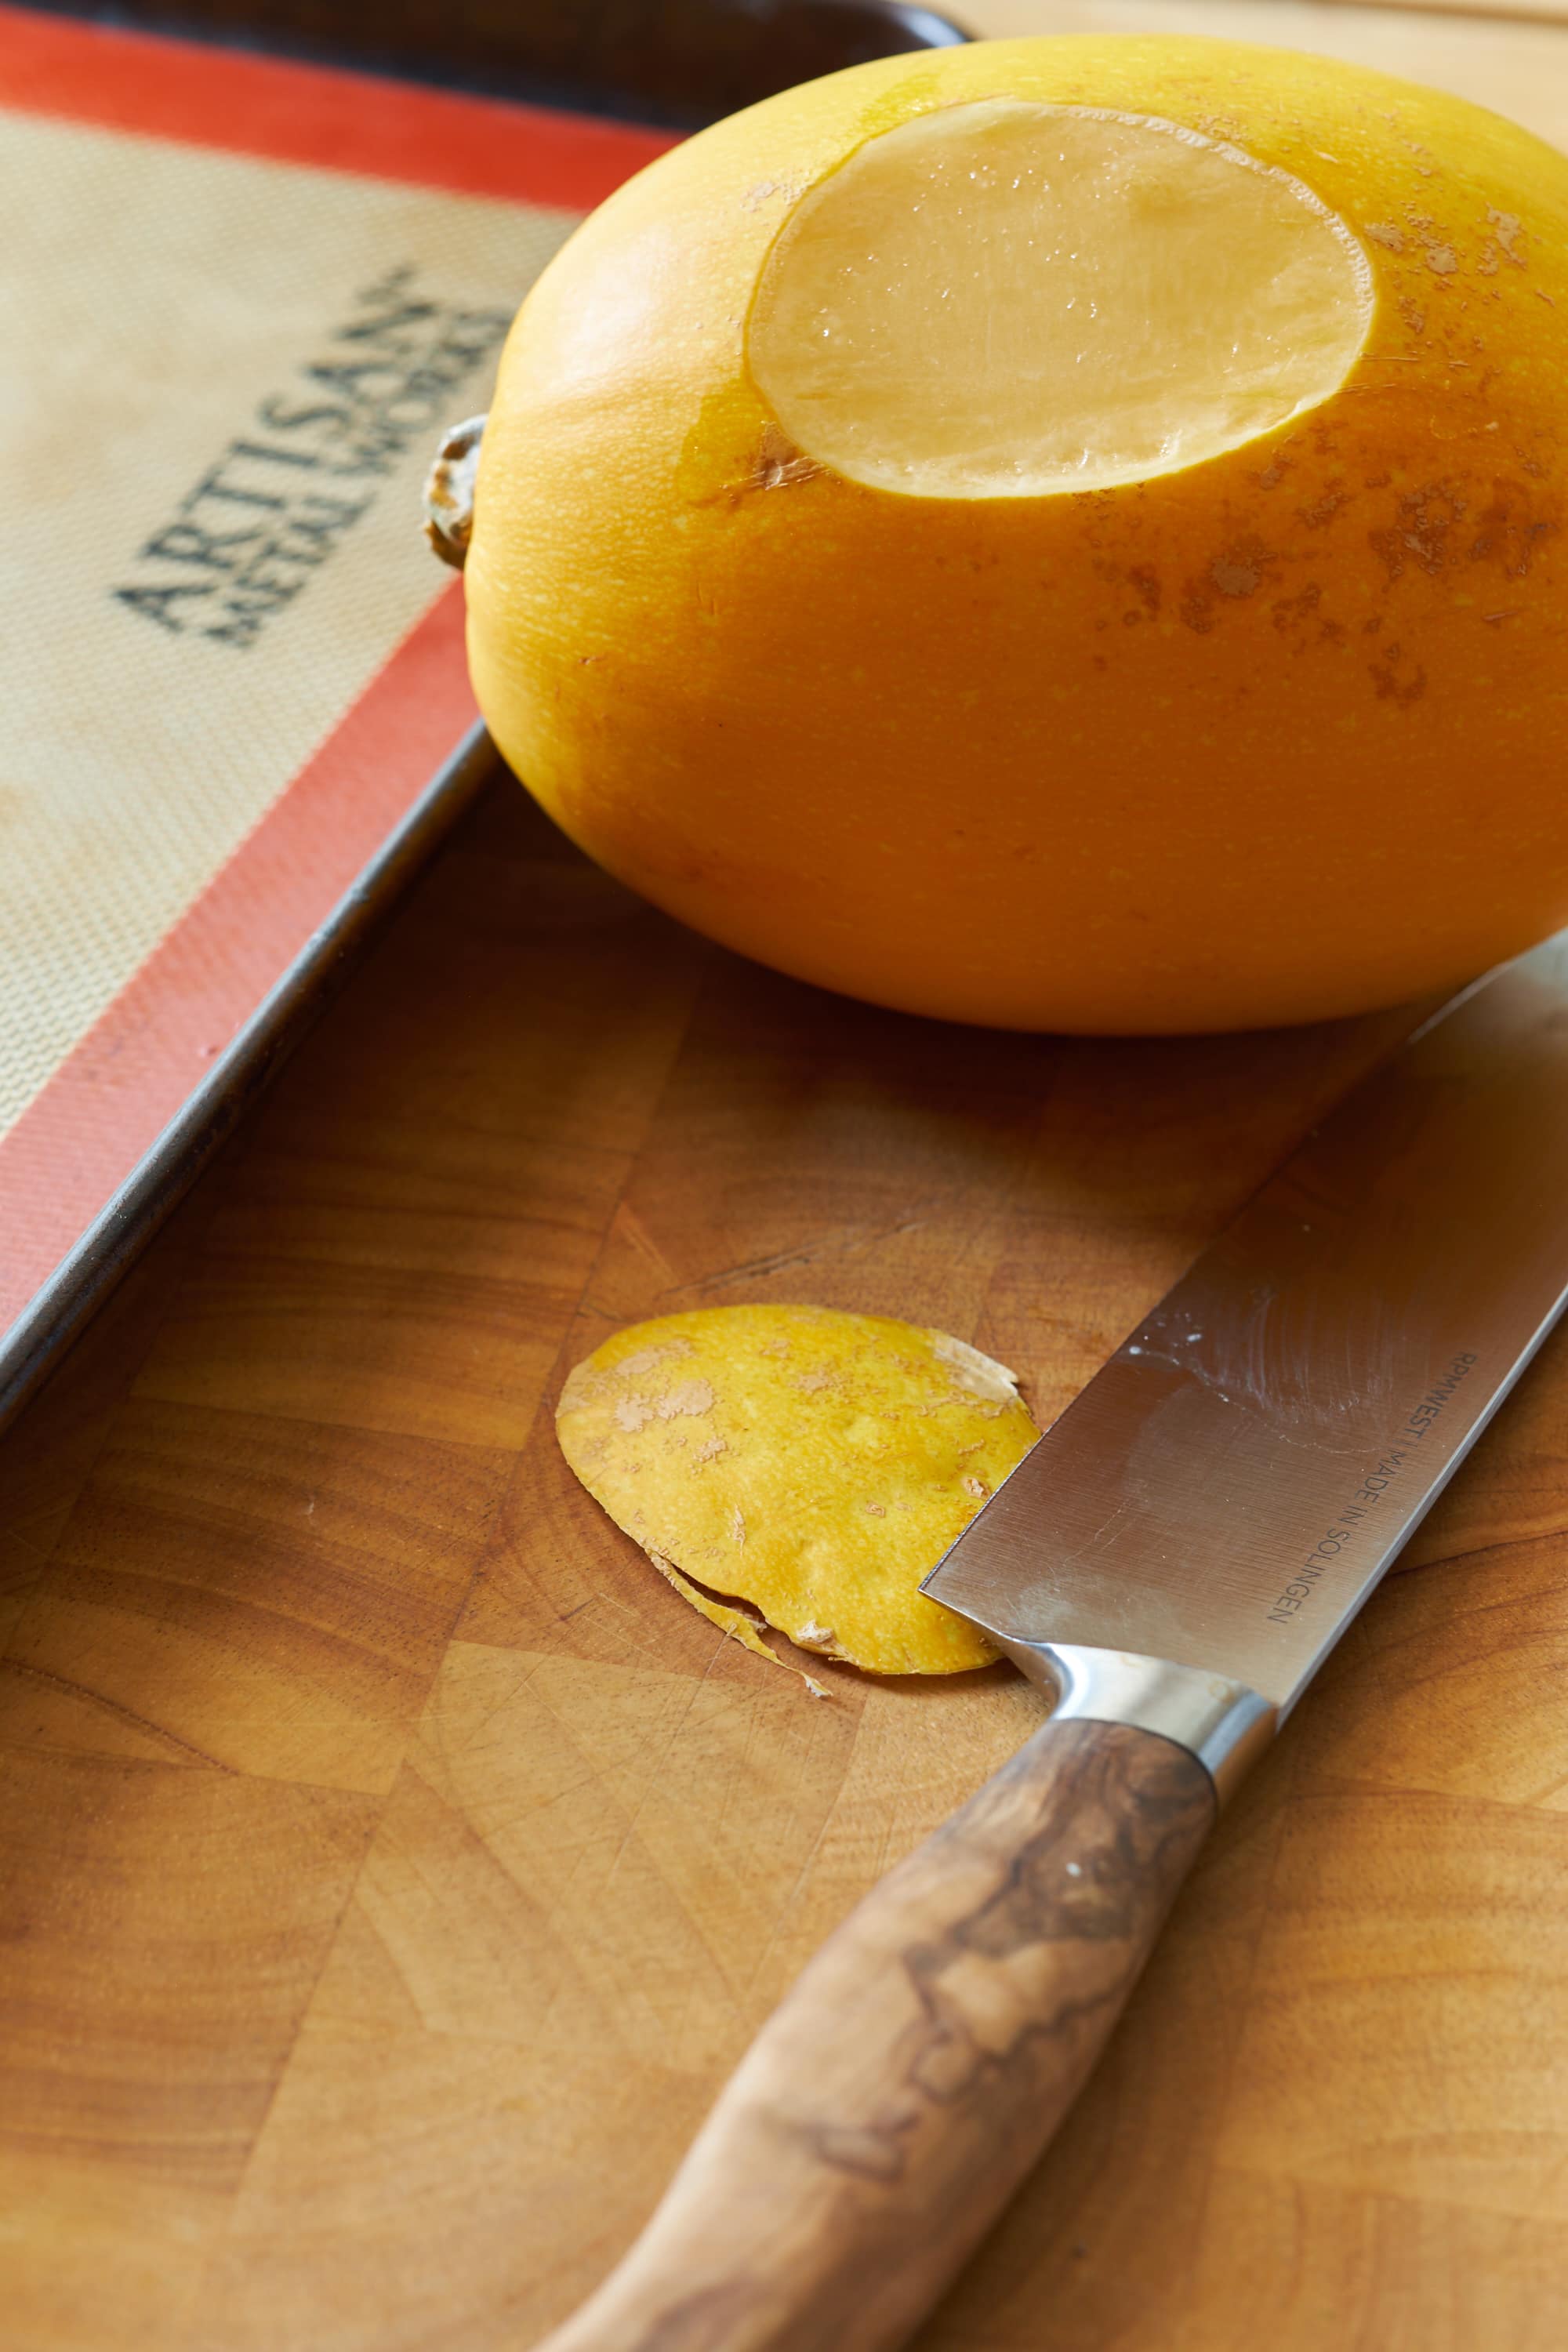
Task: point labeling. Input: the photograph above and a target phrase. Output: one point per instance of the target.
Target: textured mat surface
(239, 299)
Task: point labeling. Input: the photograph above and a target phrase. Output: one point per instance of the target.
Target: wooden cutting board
(393, 1866)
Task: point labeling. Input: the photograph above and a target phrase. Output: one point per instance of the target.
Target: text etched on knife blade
(1391, 1467)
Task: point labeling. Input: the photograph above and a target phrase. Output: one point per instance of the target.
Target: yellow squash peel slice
(812, 1463)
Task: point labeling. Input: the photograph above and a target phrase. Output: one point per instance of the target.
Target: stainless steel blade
(1230, 1488)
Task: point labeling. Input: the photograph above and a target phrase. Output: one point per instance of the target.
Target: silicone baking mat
(239, 299)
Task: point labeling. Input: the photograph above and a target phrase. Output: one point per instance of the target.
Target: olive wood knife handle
(895, 2100)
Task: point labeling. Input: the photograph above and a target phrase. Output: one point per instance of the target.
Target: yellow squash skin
(814, 1463)
(1276, 738)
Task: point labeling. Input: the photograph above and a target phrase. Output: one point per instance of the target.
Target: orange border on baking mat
(198, 96)
(102, 1111)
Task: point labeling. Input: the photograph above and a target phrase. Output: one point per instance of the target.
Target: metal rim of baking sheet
(60, 1310)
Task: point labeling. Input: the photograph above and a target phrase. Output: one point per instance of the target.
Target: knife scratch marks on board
(845, 1244)
(109, 1706)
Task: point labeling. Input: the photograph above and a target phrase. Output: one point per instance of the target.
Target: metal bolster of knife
(1225, 1725)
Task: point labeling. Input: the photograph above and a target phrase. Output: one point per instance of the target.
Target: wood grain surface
(392, 1867)
(909, 2080)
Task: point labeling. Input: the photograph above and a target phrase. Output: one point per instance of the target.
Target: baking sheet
(241, 299)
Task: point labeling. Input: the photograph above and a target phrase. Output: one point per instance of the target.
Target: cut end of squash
(1009, 299)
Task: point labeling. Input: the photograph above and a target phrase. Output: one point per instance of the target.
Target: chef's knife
(1173, 1560)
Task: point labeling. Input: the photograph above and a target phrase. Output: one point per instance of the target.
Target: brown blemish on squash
(1145, 582)
(779, 463)
(1236, 573)
(1323, 509)
(1390, 686)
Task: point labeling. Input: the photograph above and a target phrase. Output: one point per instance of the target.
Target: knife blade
(1227, 1490)
(1173, 1560)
